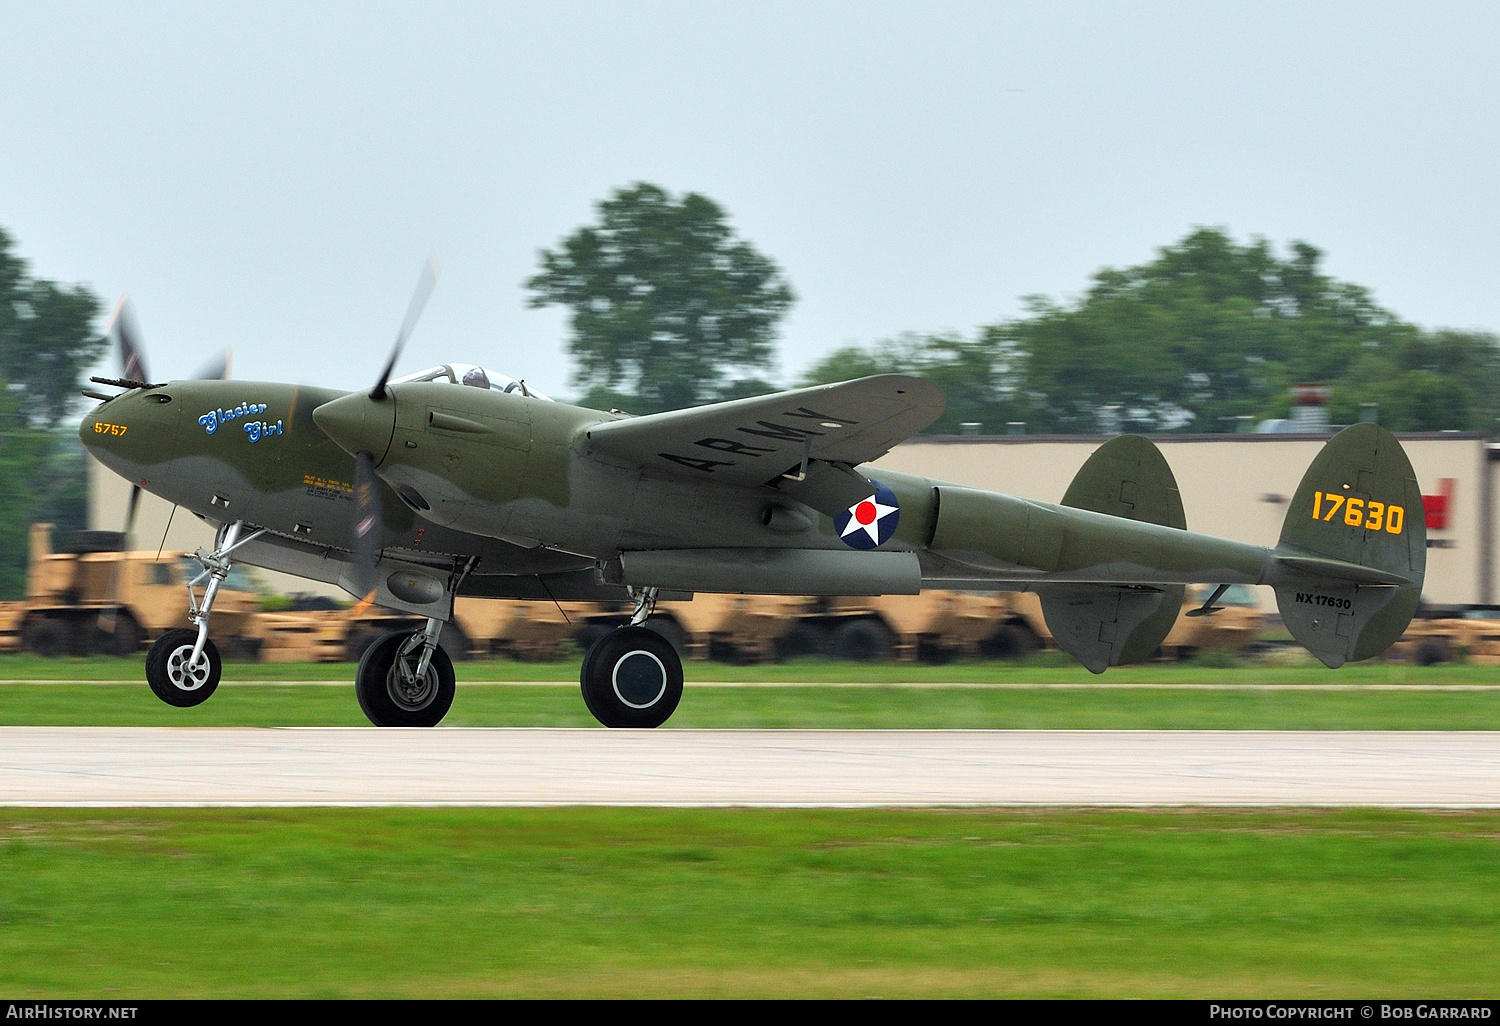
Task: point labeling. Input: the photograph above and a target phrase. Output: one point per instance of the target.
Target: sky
(269, 177)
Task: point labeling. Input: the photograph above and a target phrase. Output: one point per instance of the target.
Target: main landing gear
(183, 665)
(632, 677)
(406, 680)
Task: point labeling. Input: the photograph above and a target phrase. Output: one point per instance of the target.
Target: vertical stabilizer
(1104, 625)
(1353, 548)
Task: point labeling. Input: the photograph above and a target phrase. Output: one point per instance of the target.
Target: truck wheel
(169, 675)
(47, 638)
(1430, 653)
(1010, 641)
(122, 641)
(802, 639)
(671, 630)
(863, 641)
(454, 641)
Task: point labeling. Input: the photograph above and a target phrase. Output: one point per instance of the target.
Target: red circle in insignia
(865, 512)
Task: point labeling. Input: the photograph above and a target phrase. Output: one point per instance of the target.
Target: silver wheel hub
(182, 676)
(408, 692)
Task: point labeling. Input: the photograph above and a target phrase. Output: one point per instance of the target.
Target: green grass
(704, 705)
(658, 903)
(1046, 668)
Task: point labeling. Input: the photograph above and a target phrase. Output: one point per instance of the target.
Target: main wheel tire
(863, 641)
(169, 675)
(632, 678)
(386, 698)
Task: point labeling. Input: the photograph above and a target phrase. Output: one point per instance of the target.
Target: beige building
(1233, 486)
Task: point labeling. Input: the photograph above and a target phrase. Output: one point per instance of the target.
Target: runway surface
(105, 766)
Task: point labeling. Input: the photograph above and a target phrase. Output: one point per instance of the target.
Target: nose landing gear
(183, 665)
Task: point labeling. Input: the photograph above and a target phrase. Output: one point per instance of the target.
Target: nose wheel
(632, 677)
(172, 674)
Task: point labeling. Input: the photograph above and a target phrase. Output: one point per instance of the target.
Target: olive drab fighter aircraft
(461, 481)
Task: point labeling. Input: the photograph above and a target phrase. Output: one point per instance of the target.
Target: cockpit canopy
(474, 376)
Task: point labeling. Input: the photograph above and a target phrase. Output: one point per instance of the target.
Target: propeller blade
(216, 369)
(111, 614)
(426, 282)
(367, 525)
(135, 500)
(125, 330)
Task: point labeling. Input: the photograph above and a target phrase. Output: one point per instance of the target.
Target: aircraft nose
(358, 423)
(136, 429)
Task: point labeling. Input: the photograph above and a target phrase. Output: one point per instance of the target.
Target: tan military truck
(1235, 627)
(94, 598)
(1445, 634)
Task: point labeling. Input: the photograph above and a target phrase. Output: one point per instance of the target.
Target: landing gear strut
(406, 680)
(632, 676)
(183, 665)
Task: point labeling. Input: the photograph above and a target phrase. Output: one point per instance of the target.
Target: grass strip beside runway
(875, 707)
(653, 903)
(1045, 668)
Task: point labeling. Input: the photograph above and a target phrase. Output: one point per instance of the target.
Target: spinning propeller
(125, 331)
(368, 528)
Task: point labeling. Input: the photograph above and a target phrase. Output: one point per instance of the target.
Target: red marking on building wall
(1439, 507)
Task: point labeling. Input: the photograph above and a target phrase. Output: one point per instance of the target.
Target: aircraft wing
(757, 441)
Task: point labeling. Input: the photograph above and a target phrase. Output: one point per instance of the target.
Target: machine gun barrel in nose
(358, 423)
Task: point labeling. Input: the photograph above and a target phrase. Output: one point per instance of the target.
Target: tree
(1205, 336)
(668, 307)
(47, 338)
(47, 341)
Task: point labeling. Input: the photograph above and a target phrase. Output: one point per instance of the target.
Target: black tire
(863, 641)
(933, 652)
(1010, 641)
(387, 702)
(47, 638)
(1430, 653)
(802, 639)
(123, 640)
(168, 675)
(632, 678)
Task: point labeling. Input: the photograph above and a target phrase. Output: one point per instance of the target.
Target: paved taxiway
(350, 766)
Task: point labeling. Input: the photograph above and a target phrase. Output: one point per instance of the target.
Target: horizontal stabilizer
(1339, 570)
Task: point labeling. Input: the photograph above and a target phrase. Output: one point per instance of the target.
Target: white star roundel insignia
(870, 522)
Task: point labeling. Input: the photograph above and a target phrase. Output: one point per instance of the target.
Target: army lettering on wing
(707, 466)
(764, 429)
(730, 446)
